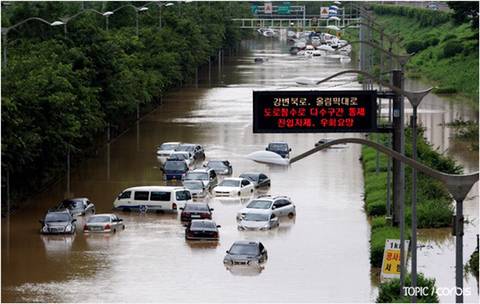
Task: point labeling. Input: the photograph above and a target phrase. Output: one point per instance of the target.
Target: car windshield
(193, 185)
(251, 177)
(187, 148)
(196, 207)
(256, 204)
(216, 165)
(230, 183)
(197, 175)
(278, 147)
(244, 249)
(98, 219)
(175, 165)
(202, 225)
(179, 156)
(57, 217)
(256, 217)
(168, 146)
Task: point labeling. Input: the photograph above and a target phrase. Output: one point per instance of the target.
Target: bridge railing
(283, 23)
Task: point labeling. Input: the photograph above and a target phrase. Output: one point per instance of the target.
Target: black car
(175, 169)
(193, 211)
(195, 150)
(258, 179)
(246, 253)
(222, 167)
(202, 230)
(281, 148)
(77, 206)
(58, 222)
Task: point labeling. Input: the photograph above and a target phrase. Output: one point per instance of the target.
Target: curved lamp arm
(7, 29)
(67, 19)
(402, 59)
(126, 5)
(414, 97)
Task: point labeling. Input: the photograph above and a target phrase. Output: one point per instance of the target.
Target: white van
(153, 198)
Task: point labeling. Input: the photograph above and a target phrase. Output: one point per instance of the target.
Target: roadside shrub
(472, 264)
(445, 90)
(432, 41)
(415, 46)
(389, 292)
(434, 214)
(449, 37)
(378, 207)
(452, 48)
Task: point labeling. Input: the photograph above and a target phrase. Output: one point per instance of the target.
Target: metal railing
(280, 23)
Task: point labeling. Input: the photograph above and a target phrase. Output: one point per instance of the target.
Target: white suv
(279, 205)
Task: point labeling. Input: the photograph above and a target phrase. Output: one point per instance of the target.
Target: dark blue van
(175, 169)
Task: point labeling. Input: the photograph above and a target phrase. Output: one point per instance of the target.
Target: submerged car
(222, 167)
(165, 149)
(233, 187)
(281, 148)
(58, 222)
(278, 205)
(77, 206)
(187, 157)
(258, 179)
(107, 222)
(246, 253)
(196, 187)
(207, 176)
(202, 230)
(195, 211)
(195, 150)
(260, 220)
(175, 169)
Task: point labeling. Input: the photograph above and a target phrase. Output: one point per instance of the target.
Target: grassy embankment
(434, 207)
(446, 54)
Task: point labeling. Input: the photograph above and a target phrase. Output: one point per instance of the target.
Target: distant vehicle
(281, 148)
(196, 187)
(165, 149)
(175, 169)
(58, 222)
(221, 167)
(246, 253)
(187, 157)
(105, 222)
(260, 59)
(155, 198)
(194, 149)
(77, 206)
(195, 211)
(202, 230)
(233, 187)
(259, 220)
(326, 140)
(207, 176)
(433, 6)
(278, 205)
(258, 179)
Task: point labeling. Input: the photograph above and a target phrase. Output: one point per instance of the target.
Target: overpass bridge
(308, 23)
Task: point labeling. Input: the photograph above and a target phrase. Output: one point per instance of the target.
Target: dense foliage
(465, 11)
(390, 291)
(60, 91)
(434, 207)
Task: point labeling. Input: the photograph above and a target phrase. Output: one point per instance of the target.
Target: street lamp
(5, 31)
(137, 10)
(160, 5)
(64, 21)
(457, 185)
(106, 15)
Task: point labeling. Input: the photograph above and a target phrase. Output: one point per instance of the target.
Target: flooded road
(322, 255)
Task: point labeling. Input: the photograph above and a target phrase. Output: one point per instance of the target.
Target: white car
(234, 186)
(107, 222)
(165, 149)
(181, 155)
(259, 220)
(278, 205)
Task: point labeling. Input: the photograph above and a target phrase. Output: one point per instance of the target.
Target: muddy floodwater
(321, 255)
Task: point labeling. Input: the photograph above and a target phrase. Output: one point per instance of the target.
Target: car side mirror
(181, 208)
(211, 209)
(74, 220)
(119, 220)
(274, 207)
(289, 150)
(218, 226)
(41, 222)
(227, 251)
(162, 169)
(266, 149)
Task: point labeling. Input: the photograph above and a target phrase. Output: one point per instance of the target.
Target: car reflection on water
(245, 270)
(56, 245)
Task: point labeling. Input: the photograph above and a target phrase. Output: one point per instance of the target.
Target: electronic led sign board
(314, 111)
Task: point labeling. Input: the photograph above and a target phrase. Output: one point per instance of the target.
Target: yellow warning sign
(391, 259)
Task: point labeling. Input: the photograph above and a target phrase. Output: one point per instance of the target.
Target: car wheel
(291, 214)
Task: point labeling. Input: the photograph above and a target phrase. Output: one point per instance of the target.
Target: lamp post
(415, 99)
(107, 15)
(65, 20)
(5, 31)
(137, 10)
(457, 185)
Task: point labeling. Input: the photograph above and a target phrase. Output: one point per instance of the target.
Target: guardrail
(283, 23)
